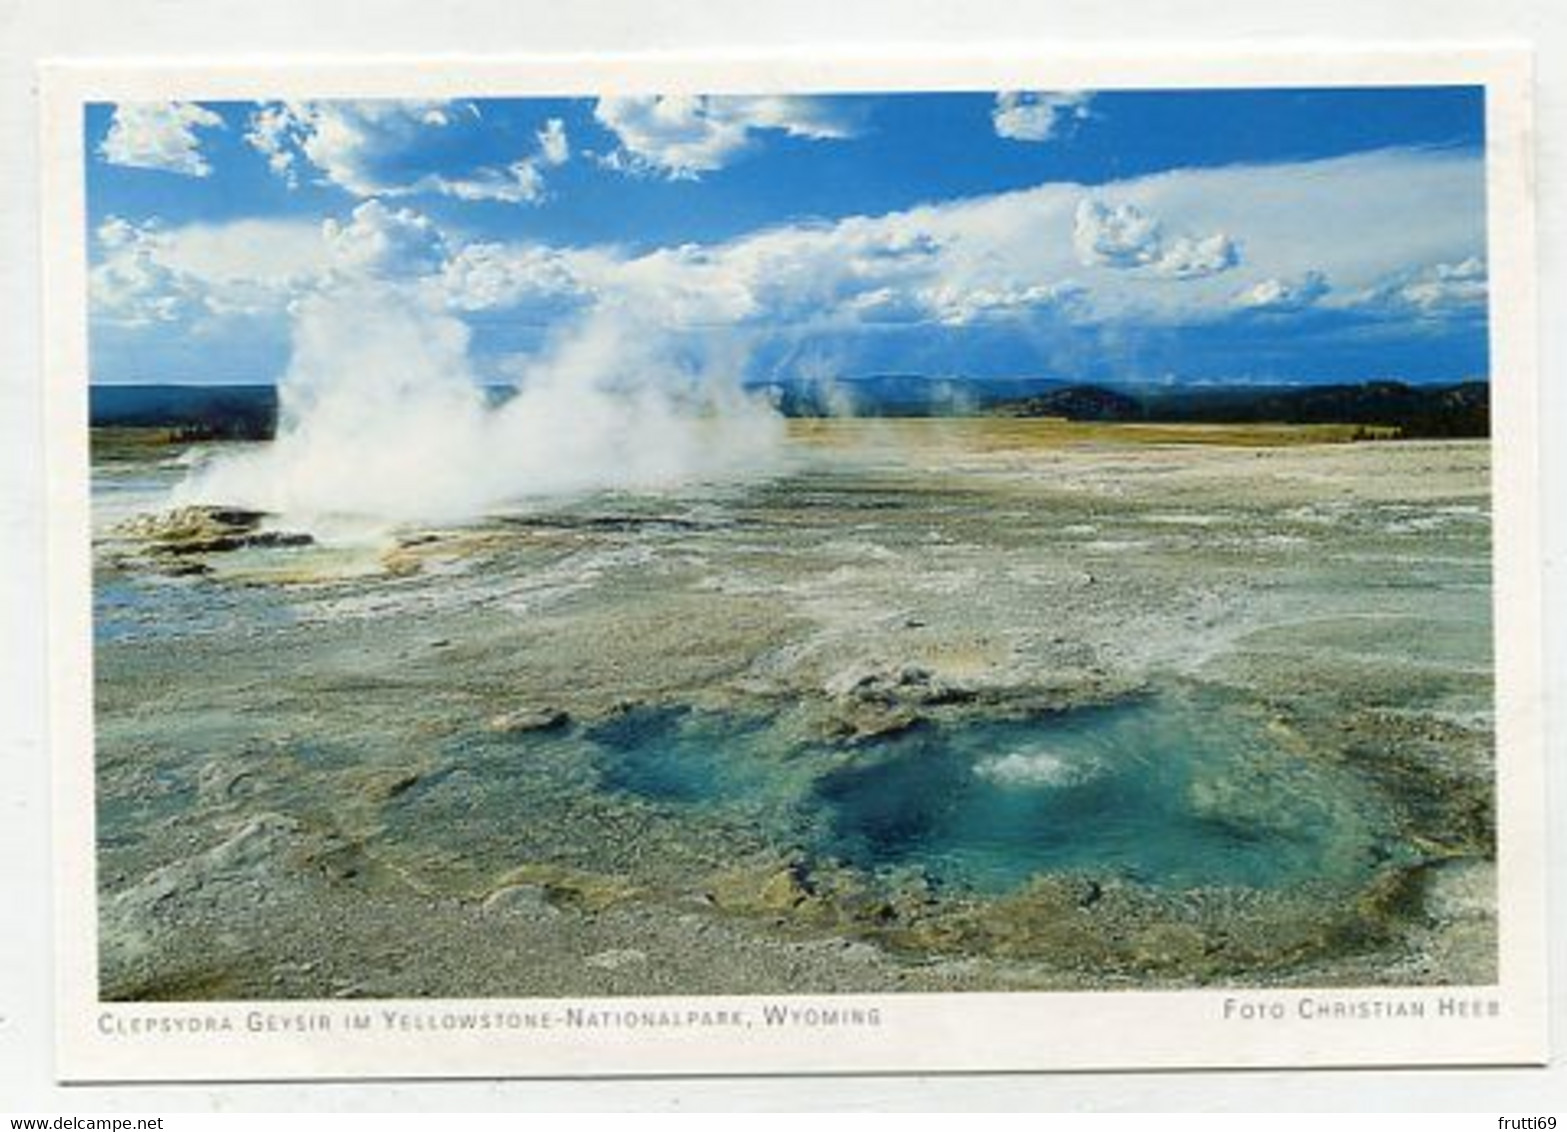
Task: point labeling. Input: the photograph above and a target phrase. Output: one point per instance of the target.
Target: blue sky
(1212, 236)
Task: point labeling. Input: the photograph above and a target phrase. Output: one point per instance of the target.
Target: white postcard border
(1504, 1024)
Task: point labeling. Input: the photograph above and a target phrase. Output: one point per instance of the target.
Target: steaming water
(382, 418)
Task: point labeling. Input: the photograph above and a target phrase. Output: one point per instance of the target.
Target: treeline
(1416, 411)
(249, 412)
(192, 412)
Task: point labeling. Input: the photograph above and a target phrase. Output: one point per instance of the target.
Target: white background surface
(35, 29)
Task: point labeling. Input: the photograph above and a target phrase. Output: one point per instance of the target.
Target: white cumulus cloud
(1156, 255)
(1189, 257)
(1284, 296)
(1127, 236)
(685, 136)
(1121, 235)
(1444, 288)
(1033, 116)
(956, 306)
(390, 148)
(131, 286)
(147, 273)
(159, 135)
(381, 242)
(528, 279)
(1407, 243)
(554, 147)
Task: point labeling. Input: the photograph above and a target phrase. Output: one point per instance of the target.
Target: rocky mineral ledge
(435, 775)
(177, 542)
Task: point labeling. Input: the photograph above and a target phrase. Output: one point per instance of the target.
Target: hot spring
(1174, 791)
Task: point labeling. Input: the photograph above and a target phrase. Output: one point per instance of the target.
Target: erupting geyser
(381, 417)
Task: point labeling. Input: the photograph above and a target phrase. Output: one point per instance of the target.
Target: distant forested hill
(197, 412)
(1462, 410)
(1078, 403)
(249, 412)
(901, 394)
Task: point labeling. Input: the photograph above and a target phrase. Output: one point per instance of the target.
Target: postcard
(764, 565)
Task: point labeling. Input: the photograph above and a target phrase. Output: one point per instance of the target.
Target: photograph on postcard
(605, 546)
